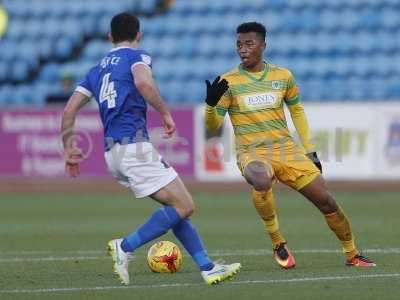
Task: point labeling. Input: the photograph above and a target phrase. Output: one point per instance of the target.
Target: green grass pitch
(53, 247)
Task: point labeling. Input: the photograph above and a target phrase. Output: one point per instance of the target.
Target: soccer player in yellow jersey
(253, 94)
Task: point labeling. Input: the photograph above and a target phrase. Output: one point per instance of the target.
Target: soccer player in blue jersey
(122, 84)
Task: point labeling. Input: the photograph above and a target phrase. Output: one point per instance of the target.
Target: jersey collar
(252, 77)
(121, 47)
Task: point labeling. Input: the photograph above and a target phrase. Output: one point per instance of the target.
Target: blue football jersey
(122, 108)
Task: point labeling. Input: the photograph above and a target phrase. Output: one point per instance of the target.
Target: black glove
(216, 90)
(314, 158)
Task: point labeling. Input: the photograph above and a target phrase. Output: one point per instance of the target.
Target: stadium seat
(329, 45)
(21, 95)
(147, 6)
(390, 20)
(96, 49)
(50, 73)
(19, 71)
(6, 94)
(3, 70)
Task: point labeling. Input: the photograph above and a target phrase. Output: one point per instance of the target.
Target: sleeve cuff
(84, 91)
(293, 101)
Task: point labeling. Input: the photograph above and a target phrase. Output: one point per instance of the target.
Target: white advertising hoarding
(355, 141)
(215, 156)
(344, 136)
(388, 141)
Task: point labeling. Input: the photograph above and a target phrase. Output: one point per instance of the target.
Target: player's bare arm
(147, 87)
(73, 155)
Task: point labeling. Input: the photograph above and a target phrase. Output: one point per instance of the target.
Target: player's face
(250, 48)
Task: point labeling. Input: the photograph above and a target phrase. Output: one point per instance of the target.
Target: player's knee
(331, 204)
(328, 204)
(258, 175)
(189, 209)
(261, 183)
(186, 208)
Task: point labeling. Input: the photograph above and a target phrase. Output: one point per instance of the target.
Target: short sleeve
(138, 57)
(84, 86)
(292, 95)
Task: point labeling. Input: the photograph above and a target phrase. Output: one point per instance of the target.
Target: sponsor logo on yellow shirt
(260, 101)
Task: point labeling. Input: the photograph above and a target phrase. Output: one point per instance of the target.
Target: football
(164, 257)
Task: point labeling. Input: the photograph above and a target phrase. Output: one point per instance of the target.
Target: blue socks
(190, 239)
(159, 223)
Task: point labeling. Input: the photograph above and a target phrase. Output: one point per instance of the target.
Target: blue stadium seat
(173, 91)
(390, 19)
(96, 49)
(71, 28)
(207, 45)
(226, 45)
(197, 92)
(278, 5)
(348, 20)
(40, 9)
(6, 94)
(182, 7)
(163, 69)
(336, 49)
(7, 50)
(195, 26)
(63, 48)
(22, 95)
(51, 28)
(33, 30)
(188, 45)
(4, 65)
(19, 71)
(50, 73)
(393, 91)
(323, 43)
(271, 20)
(369, 19)
(17, 8)
(147, 6)
(15, 30)
(27, 53)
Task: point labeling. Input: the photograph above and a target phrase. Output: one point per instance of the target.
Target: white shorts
(140, 167)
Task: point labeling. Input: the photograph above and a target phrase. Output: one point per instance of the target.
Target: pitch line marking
(220, 251)
(49, 258)
(215, 253)
(174, 285)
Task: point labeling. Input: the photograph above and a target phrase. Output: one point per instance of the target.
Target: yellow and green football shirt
(254, 102)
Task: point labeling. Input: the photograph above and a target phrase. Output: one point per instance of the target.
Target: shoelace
(363, 258)
(220, 261)
(281, 251)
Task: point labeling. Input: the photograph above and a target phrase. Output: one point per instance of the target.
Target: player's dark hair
(252, 27)
(124, 27)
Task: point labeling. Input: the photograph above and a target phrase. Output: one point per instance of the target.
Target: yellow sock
(264, 203)
(340, 225)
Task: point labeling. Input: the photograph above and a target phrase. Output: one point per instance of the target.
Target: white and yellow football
(164, 257)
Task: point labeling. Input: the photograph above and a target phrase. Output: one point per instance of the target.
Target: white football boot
(220, 272)
(121, 260)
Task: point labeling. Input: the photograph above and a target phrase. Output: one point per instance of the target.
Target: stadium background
(345, 55)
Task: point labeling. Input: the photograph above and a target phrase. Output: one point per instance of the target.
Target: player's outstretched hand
(169, 125)
(215, 90)
(73, 157)
(314, 158)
